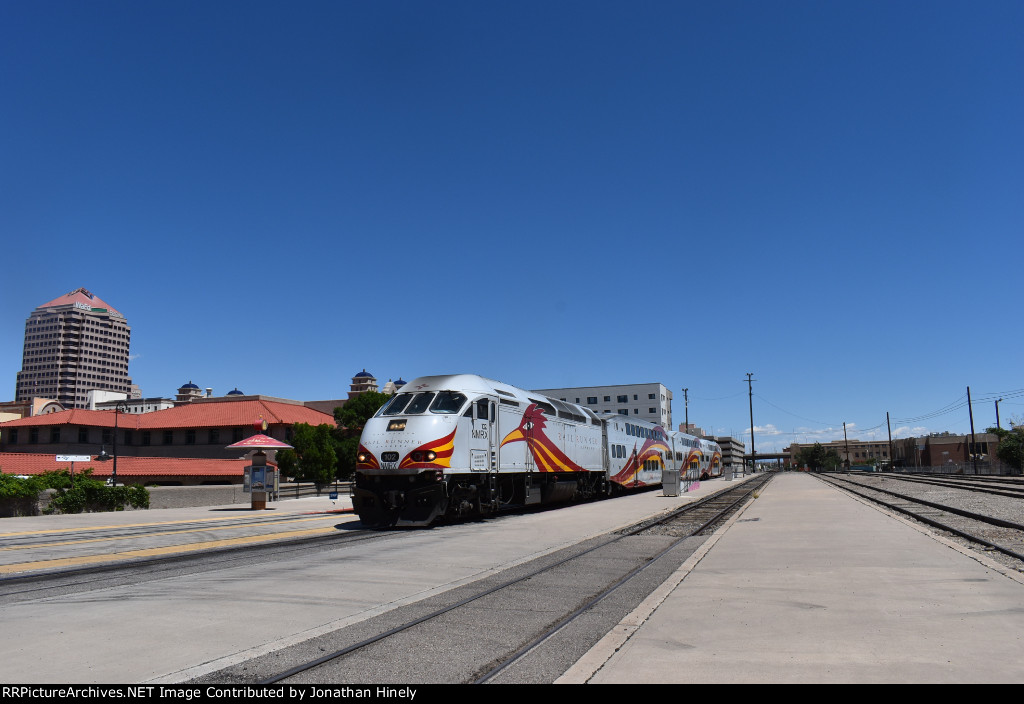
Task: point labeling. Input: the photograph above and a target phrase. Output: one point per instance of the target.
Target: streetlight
(122, 407)
(119, 407)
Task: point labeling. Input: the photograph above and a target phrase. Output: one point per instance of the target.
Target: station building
(157, 441)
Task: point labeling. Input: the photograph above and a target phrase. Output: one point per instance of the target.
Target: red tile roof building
(199, 430)
(133, 470)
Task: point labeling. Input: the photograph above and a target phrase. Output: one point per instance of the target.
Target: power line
(810, 420)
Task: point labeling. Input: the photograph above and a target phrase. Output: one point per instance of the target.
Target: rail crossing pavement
(174, 627)
(35, 543)
(812, 585)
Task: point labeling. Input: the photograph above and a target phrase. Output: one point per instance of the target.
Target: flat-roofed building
(652, 401)
(732, 451)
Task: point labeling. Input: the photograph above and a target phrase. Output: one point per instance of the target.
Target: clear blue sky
(276, 195)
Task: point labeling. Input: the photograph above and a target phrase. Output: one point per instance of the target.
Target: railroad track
(21, 586)
(984, 485)
(982, 529)
(526, 624)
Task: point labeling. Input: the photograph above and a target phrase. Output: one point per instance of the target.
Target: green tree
(287, 462)
(818, 458)
(353, 415)
(315, 458)
(1011, 446)
(351, 418)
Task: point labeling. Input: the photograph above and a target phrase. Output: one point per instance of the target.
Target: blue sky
(277, 195)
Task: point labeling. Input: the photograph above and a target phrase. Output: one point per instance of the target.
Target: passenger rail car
(465, 445)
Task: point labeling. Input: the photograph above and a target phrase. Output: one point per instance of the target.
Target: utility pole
(847, 441)
(891, 458)
(997, 413)
(686, 402)
(753, 452)
(970, 411)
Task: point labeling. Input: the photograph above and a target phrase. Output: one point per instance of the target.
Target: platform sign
(74, 458)
(258, 478)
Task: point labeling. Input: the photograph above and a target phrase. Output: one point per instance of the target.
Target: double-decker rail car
(696, 458)
(463, 445)
(640, 451)
(637, 451)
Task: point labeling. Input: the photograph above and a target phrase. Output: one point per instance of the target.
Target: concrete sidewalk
(809, 584)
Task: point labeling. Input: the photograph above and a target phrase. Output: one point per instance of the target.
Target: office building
(74, 344)
(651, 402)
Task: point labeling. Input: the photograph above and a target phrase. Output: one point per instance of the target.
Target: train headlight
(362, 457)
(431, 455)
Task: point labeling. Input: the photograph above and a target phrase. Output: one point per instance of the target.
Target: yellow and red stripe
(369, 463)
(442, 450)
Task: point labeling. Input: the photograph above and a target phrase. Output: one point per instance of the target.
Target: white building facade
(652, 402)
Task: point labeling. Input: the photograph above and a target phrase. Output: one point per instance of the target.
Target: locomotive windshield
(396, 405)
(420, 403)
(414, 404)
(448, 402)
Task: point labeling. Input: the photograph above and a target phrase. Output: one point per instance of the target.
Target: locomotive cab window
(421, 402)
(482, 409)
(396, 405)
(448, 402)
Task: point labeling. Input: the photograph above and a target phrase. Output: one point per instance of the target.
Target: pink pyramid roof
(80, 295)
(261, 441)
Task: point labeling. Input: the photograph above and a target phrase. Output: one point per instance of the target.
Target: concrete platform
(811, 585)
(173, 627)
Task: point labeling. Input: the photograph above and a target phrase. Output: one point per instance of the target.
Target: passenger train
(463, 445)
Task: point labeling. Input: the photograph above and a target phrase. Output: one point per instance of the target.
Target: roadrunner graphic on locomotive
(463, 445)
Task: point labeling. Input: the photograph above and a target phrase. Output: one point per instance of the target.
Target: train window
(420, 402)
(448, 402)
(481, 408)
(396, 405)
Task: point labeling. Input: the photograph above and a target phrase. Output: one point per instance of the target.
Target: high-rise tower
(74, 344)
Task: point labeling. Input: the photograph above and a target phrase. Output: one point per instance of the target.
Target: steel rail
(522, 652)
(1009, 492)
(634, 530)
(931, 521)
